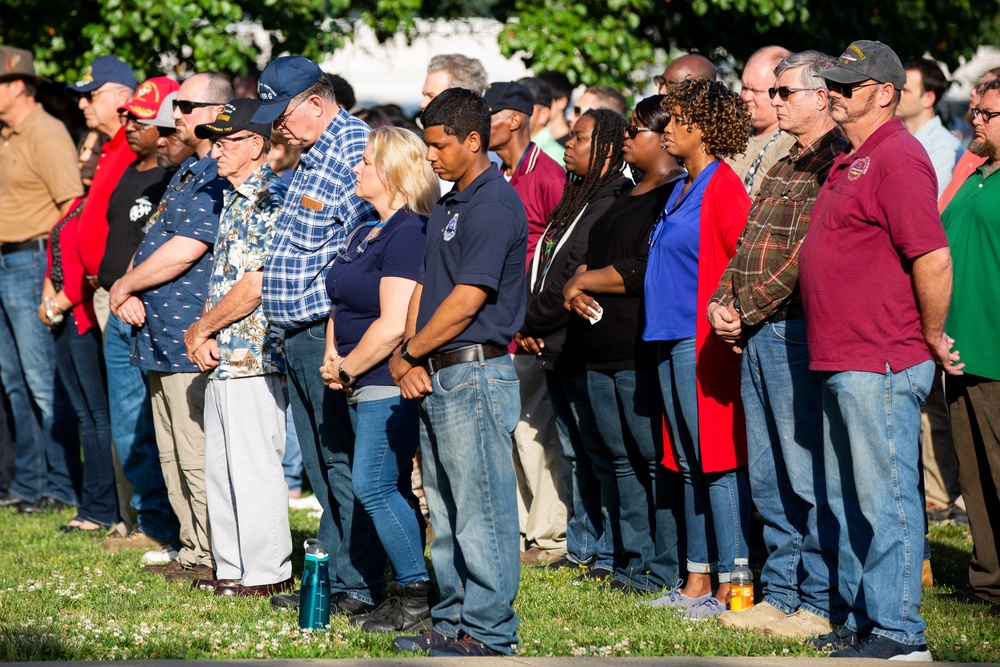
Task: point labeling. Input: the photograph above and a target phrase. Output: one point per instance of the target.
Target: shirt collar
(116, 141)
(883, 132)
(199, 166)
(250, 187)
(795, 153)
(465, 195)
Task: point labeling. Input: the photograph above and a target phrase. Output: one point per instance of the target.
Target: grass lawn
(63, 598)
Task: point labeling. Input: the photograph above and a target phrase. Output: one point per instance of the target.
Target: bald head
(691, 66)
(758, 76)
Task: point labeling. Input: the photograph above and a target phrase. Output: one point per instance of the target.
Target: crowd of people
(545, 333)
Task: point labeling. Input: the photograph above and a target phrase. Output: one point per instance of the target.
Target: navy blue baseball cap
(104, 69)
(281, 80)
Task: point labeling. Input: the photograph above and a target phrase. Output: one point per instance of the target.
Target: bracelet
(52, 311)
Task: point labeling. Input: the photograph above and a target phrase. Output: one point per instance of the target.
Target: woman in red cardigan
(67, 308)
(699, 376)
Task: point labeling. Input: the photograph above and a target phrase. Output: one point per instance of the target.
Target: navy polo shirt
(190, 207)
(353, 280)
(478, 236)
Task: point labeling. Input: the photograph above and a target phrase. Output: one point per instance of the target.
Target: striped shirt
(319, 212)
(761, 279)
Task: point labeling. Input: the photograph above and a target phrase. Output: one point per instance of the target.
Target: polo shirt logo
(858, 169)
(451, 228)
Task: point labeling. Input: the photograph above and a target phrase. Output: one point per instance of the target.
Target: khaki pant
(542, 477)
(937, 451)
(179, 417)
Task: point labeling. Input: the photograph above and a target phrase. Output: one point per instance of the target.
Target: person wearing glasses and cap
(162, 295)
(876, 343)
(107, 84)
(319, 213)
(757, 309)
(245, 398)
(39, 180)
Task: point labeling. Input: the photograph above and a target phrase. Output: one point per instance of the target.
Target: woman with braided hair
(594, 161)
(606, 295)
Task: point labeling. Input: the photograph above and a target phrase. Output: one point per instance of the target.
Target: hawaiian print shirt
(251, 346)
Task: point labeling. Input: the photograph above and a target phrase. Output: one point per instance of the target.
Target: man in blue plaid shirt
(319, 212)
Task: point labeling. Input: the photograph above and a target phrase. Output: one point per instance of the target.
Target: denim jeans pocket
(454, 377)
(792, 332)
(21, 261)
(921, 378)
(505, 398)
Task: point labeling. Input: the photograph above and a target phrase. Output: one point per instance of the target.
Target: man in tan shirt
(39, 179)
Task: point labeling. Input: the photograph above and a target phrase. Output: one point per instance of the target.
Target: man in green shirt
(974, 398)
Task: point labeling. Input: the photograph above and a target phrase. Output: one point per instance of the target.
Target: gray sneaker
(675, 599)
(709, 607)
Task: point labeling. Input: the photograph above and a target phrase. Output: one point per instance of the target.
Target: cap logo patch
(148, 89)
(858, 169)
(223, 117)
(88, 77)
(142, 113)
(266, 92)
(13, 61)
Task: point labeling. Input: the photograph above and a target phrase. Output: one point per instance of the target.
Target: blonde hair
(398, 155)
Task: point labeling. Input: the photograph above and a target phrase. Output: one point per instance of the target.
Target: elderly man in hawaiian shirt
(244, 401)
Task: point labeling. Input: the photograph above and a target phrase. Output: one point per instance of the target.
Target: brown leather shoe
(236, 589)
(188, 573)
(209, 584)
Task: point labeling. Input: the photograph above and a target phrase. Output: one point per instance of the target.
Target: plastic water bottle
(314, 600)
(741, 586)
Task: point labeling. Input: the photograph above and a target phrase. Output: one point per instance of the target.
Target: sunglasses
(91, 94)
(784, 92)
(127, 118)
(632, 131)
(187, 106)
(225, 143)
(846, 90)
(986, 115)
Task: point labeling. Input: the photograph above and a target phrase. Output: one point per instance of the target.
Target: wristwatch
(404, 352)
(345, 378)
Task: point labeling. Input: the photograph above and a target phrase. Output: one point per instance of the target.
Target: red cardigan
(721, 424)
(76, 287)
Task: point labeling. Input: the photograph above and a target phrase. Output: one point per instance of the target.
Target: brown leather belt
(463, 355)
(33, 244)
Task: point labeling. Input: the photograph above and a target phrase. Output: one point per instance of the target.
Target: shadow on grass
(20, 646)
(950, 564)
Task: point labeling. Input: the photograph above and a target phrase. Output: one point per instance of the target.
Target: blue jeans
(783, 401)
(134, 437)
(716, 504)
(47, 445)
(871, 427)
(326, 439)
(467, 425)
(585, 535)
(291, 463)
(386, 438)
(643, 524)
(80, 364)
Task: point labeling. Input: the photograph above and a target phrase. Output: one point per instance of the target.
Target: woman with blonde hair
(370, 283)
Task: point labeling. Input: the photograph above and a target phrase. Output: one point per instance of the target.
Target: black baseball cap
(235, 116)
(509, 95)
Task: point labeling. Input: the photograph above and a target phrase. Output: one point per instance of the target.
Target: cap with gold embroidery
(149, 97)
(234, 117)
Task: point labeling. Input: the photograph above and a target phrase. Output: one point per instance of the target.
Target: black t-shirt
(133, 201)
(620, 238)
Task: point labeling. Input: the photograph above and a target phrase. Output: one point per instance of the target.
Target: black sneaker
(883, 648)
(596, 574)
(837, 640)
(565, 563)
(405, 609)
(342, 603)
(286, 600)
(466, 647)
(624, 588)
(425, 643)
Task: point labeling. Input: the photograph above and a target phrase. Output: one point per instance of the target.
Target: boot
(406, 609)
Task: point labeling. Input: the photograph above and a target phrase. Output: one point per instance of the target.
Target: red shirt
(966, 166)
(75, 286)
(876, 212)
(116, 156)
(538, 181)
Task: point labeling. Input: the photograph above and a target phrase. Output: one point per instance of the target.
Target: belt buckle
(431, 366)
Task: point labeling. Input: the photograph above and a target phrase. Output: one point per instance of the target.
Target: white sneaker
(802, 624)
(159, 557)
(754, 618)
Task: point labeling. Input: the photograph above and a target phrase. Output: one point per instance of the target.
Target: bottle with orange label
(741, 586)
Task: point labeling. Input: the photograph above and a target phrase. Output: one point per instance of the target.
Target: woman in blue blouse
(370, 283)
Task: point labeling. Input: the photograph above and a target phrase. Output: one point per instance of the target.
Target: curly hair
(606, 140)
(720, 114)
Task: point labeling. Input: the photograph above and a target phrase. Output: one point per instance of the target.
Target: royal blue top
(353, 280)
(672, 272)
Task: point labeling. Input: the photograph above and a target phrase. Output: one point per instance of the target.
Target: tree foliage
(609, 41)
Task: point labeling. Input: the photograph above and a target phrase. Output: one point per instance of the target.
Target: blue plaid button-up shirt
(319, 212)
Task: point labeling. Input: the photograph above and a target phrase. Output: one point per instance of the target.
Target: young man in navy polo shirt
(468, 303)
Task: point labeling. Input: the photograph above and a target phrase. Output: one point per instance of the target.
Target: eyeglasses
(225, 143)
(166, 132)
(187, 106)
(784, 92)
(283, 118)
(986, 115)
(846, 90)
(127, 118)
(579, 111)
(632, 131)
(91, 94)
